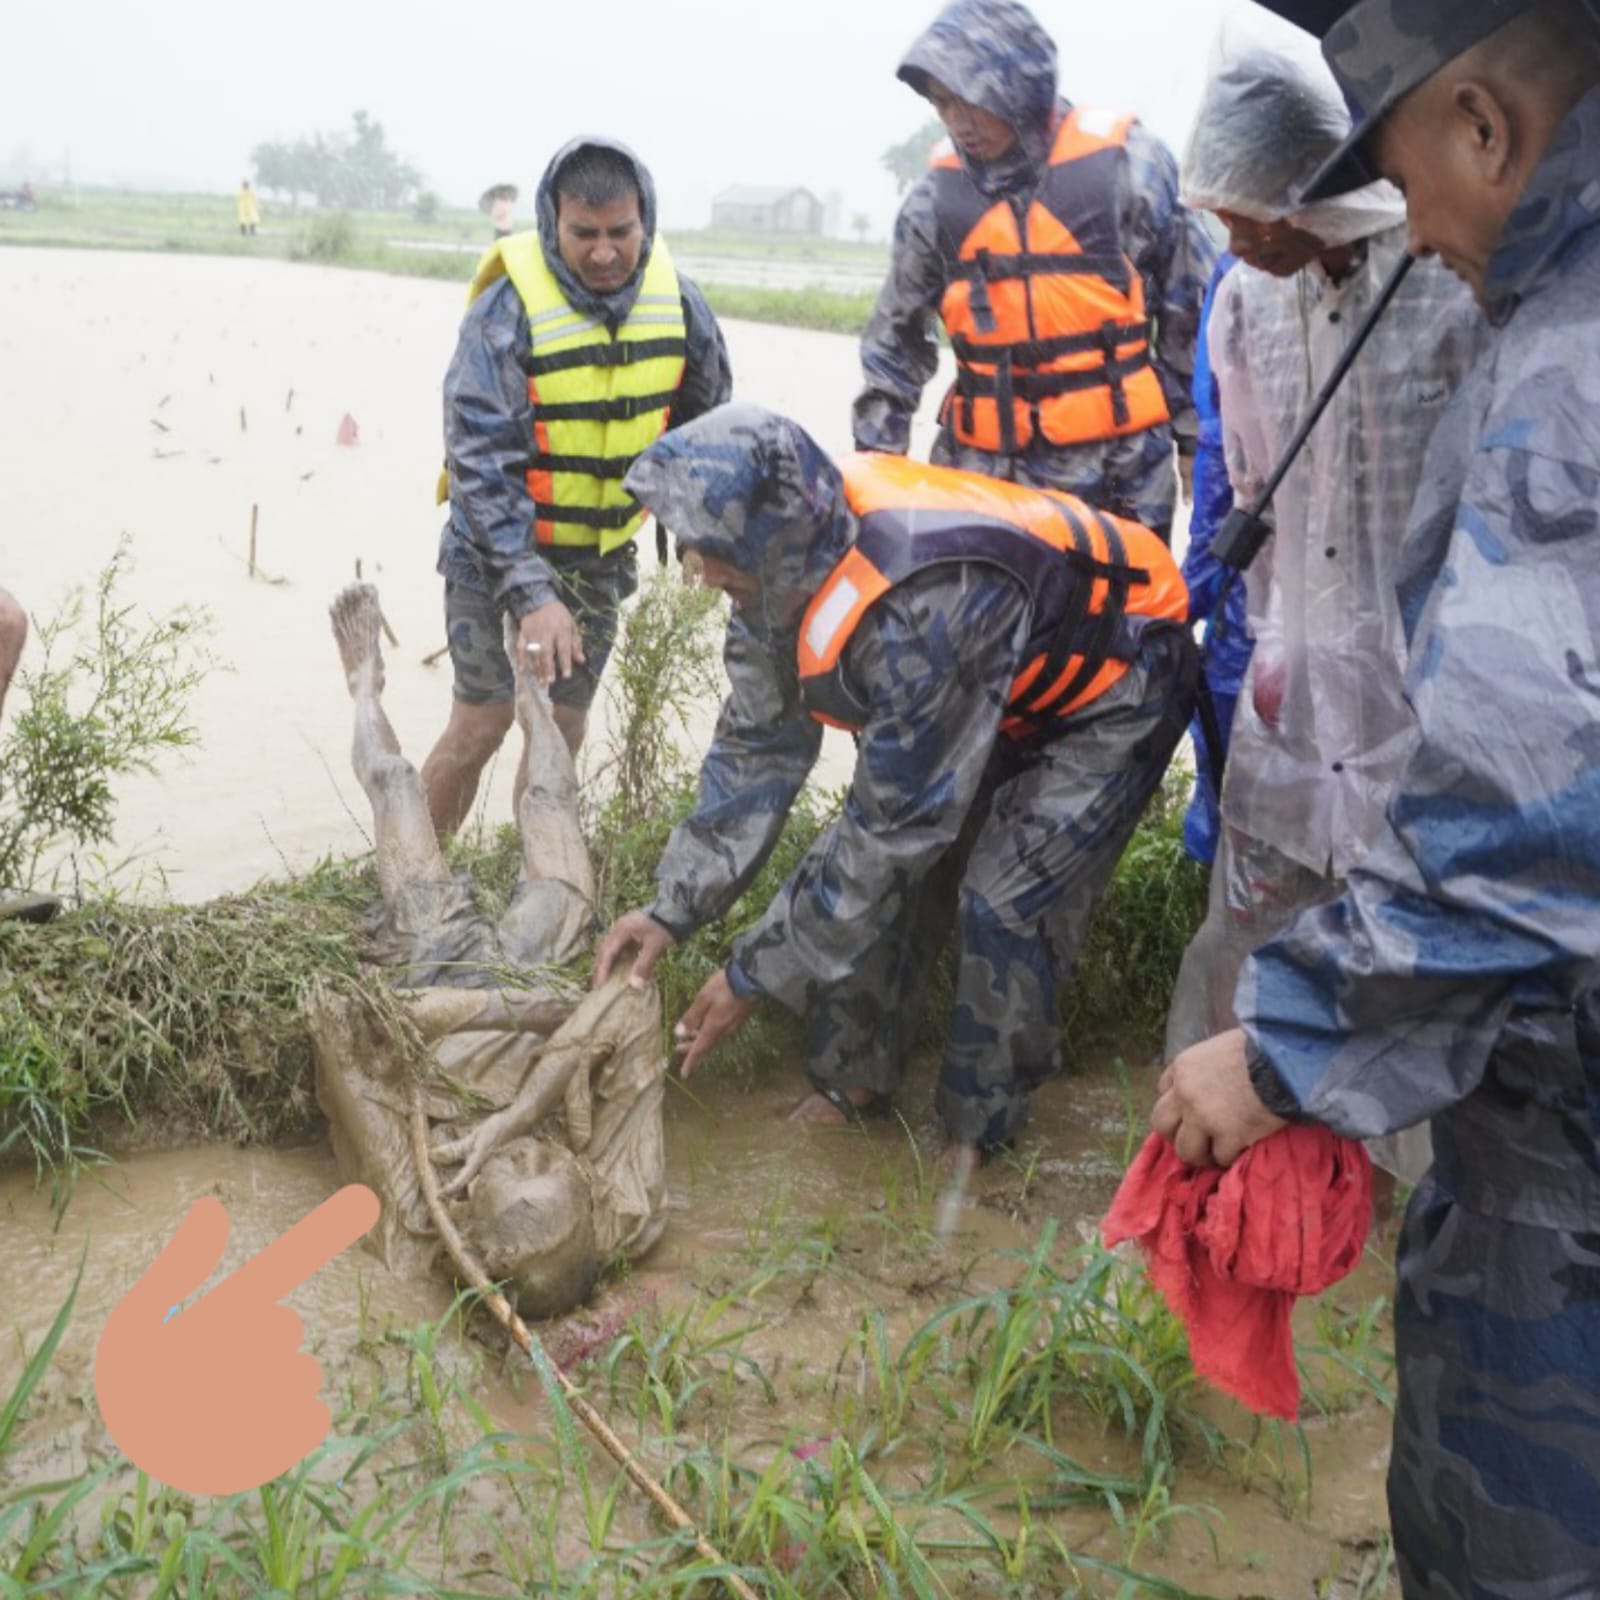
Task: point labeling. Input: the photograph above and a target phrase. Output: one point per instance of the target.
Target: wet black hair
(595, 176)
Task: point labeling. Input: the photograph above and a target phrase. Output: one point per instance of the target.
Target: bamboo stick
(514, 1325)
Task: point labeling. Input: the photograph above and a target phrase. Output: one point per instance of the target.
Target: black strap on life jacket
(1040, 352)
(610, 518)
(1093, 647)
(1034, 387)
(620, 353)
(611, 469)
(986, 267)
(982, 307)
(623, 409)
(1006, 403)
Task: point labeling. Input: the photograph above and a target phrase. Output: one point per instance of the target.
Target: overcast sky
(174, 93)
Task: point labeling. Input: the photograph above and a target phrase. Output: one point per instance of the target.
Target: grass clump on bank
(1151, 909)
(108, 698)
(822, 310)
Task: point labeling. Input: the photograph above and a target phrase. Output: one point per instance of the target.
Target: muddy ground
(783, 1245)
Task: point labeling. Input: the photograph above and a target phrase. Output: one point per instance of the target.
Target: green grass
(1151, 909)
(760, 247)
(822, 310)
(942, 1459)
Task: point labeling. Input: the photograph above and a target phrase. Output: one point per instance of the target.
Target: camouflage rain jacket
(1456, 978)
(994, 54)
(937, 656)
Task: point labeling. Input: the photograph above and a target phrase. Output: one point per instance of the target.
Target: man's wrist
(680, 930)
(524, 598)
(1272, 1090)
(743, 985)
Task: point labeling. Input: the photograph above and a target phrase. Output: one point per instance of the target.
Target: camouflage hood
(751, 488)
(612, 308)
(994, 54)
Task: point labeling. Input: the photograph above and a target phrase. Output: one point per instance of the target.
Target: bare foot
(820, 1112)
(355, 630)
(957, 1162)
(952, 1176)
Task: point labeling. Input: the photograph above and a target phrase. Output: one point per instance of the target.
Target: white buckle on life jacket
(831, 616)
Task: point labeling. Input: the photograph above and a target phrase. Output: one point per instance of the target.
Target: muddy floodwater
(792, 1237)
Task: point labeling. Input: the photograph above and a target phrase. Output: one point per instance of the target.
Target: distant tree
(276, 168)
(908, 160)
(426, 209)
(342, 170)
(862, 224)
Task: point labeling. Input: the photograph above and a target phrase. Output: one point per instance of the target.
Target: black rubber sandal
(875, 1110)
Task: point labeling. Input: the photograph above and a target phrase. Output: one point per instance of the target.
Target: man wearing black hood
(1049, 239)
(580, 346)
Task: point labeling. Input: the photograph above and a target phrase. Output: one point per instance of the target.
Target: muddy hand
(474, 1150)
(634, 930)
(716, 1013)
(218, 1398)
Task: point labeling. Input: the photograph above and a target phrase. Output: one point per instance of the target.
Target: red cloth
(1230, 1250)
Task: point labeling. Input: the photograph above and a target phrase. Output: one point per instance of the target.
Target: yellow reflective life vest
(599, 399)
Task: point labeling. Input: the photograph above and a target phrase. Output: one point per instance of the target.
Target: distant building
(745, 210)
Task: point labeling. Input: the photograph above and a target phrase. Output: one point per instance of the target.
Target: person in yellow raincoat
(247, 207)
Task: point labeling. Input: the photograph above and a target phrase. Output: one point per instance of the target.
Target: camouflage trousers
(1021, 883)
(1494, 1484)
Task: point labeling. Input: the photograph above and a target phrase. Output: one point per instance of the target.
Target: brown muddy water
(786, 1236)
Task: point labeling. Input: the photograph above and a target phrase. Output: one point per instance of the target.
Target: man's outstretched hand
(218, 1397)
(1208, 1106)
(716, 1013)
(634, 930)
(551, 643)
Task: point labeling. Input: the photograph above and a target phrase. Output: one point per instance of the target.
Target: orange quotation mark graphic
(219, 1398)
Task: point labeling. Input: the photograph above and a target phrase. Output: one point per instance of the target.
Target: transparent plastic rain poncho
(1321, 725)
(1272, 112)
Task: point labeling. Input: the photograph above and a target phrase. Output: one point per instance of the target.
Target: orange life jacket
(1098, 582)
(1045, 309)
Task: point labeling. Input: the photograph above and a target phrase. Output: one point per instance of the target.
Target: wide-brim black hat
(1380, 50)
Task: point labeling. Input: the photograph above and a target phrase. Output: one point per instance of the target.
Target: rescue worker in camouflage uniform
(1018, 669)
(1050, 240)
(581, 343)
(1458, 976)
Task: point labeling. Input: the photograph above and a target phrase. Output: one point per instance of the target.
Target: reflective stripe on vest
(1096, 580)
(1045, 310)
(598, 401)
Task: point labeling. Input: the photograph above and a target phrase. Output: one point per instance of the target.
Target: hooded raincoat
(1321, 724)
(1457, 977)
(995, 54)
(488, 546)
(945, 815)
